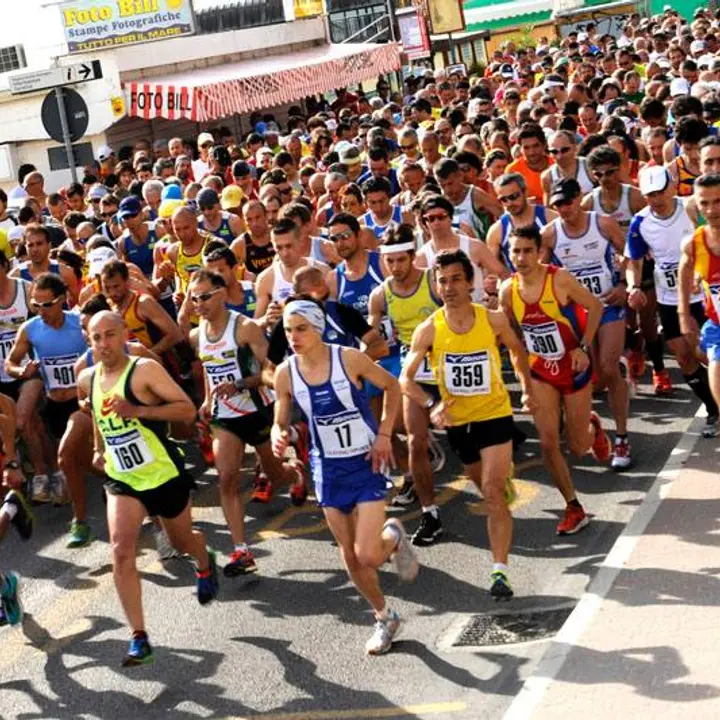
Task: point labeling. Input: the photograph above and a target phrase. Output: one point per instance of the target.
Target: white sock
(500, 566)
(8, 509)
(241, 547)
(395, 531)
(382, 614)
(432, 509)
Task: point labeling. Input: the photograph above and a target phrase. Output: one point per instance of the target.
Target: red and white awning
(238, 88)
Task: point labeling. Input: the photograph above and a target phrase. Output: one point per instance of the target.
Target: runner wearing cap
(139, 237)
(659, 230)
(218, 222)
(586, 244)
(201, 166)
(350, 454)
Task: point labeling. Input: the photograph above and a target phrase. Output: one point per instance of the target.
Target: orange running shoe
(636, 360)
(662, 382)
(574, 520)
(601, 447)
(205, 443)
(262, 489)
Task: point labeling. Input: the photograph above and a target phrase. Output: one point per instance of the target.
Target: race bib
(7, 340)
(544, 340)
(715, 296)
(666, 276)
(467, 373)
(217, 374)
(59, 372)
(595, 279)
(388, 331)
(344, 435)
(425, 373)
(129, 451)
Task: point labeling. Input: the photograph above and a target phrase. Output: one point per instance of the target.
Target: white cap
(15, 234)
(104, 153)
(667, 8)
(205, 137)
(16, 197)
(653, 179)
(97, 258)
(697, 46)
(582, 37)
(663, 62)
(679, 86)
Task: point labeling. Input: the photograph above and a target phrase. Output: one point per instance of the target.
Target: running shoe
(302, 444)
(79, 534)
(406, 495)
(205, 442)
(41, 489)
(636, 361)
(500, 588)
(23, 519)
(207, 581)
(262, 489)
(574, 520)
(241, 562)
(59, 489)
(382, 637)
(621, 457)
(406, 562)
(662, 382)
(436, 454)
(627, 376)
(711, 426)
(601, 446)
(429, 530)
(139, 652)
(164, 547)
(10, 598)
(299, 489)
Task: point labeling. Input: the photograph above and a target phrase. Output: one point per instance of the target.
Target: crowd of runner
(345, 293)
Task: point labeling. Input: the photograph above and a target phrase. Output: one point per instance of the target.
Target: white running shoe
(41, 489)
(385, 631)
(406, 562)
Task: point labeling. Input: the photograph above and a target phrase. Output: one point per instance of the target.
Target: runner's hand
(617, 296)
(225, 390)
(689, 326)
(13, 478)
(98, 461)
(30, 370)
(637, 299)
(580, 360)
(166, 270)
(440, 415)
(280, 440)
(528, 402)
(381, 455)
(123, 408)
(205, 411)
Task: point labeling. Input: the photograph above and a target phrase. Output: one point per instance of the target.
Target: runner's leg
(30, 426)
(580, 432)
(417, 422)
(186, 538)
(229, 451)
(611, 338)
(75, 458)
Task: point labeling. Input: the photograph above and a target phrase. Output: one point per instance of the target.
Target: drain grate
(507, 628)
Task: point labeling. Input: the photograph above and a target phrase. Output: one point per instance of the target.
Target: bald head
(106, 319)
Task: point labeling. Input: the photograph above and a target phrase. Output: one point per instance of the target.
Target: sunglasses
(512, 197)
(559, 151)
(436, 218)
(600, 174)
(48, 304)
(107, 214)
(344, 235)
(408, 147)
(203, 297)
(563, 203)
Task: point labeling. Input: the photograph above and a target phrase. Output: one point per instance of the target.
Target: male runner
(254, 248)
(701, 258)
(218, 222)
(132, 400)
(709, 163)
(350, 454)
(380, 214)
(586, 244)
(563, 147)
(232, 349)
(138, 240)
(54, 340)
(558, 318)
(659, 230)
(462, 339)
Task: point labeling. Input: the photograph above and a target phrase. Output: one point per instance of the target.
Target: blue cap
(171, 192)
(260, 128)
(129, 207)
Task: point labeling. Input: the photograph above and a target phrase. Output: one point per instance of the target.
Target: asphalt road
(287, 644)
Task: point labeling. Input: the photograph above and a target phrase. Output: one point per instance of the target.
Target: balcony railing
(239, 15)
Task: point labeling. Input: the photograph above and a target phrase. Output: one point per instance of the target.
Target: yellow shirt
(468, 370)
(5, 245)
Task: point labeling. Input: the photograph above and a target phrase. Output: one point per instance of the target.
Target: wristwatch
(585, 348)
(12, 465)
(429, 403)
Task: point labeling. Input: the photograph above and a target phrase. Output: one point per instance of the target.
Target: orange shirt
(532, 178)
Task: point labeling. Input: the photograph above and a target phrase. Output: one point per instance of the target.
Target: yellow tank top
(407, 312)
(137, 328)
(186, 265)
(468, 370)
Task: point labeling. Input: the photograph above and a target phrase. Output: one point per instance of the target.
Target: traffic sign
(55, 77)
(75, 109)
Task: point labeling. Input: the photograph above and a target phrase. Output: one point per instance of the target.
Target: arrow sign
(55, 77)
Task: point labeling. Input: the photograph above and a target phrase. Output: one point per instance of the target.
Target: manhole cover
(507, 628)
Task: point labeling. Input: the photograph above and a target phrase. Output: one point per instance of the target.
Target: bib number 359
(467, 373)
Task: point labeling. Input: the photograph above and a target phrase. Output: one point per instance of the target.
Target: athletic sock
(432, 509)
(9, 509)
(382, 614)
(698, 382)
(502, 567)
(620, 437)
(241, 547)
(655, 353)
(139, 635)
(633, 339)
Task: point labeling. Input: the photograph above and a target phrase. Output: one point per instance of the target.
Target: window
(12, 58)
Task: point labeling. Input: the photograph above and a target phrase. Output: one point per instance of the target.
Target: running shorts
(253, 428)
(57, 415)
(166, 501)
(466, 441)
(670, 322)
(710, 340)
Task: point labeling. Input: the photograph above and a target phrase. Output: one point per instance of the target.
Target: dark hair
(604, 155)
(710, 141)
(284, 158)
(297, 211)
(284, 226)
(25, 214)
(345, 219)
(37, 229)
(113, 268)
(532, 130)
(708, 180)
(377, 184)
(399, 235)
(52, 282)
(4, 262)
(214, 244)
(3, 197)
(529, 232)
(685, 105)
(97, 303)
(75, 189)
(23, 171)
(445, 258)
(378, 153)
(690, 130)
(72, 260)
(222, 253)
(469, 158)
(445, 167)
(203, 275)
(74, 219)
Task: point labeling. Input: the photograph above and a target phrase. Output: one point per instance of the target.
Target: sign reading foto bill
(97, 24)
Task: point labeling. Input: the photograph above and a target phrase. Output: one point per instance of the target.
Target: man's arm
(613, 232)
(578, 293)
(263, 292)
(637, 200)
(283, 405)
(252, 335)
(546, 182)
(71, 281)
(237, 226)
(484, 201)
(19, 351)
(549, 240)
(493, 239)
(238, 248)
(686, 277)
(150, 310)
(484, 257)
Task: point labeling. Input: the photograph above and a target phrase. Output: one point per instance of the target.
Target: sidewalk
(644, 642)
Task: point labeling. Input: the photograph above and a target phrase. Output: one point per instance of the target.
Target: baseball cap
(204, 138)
(104, 153)
(97, 259)
(563, 190)
(553, 80)
(232, 197)
(171, 192)
(241, 168)
(129, 207)
(506, 70)
(351, 155)
(97, 192)
(653, 179)
(679, 86)
(15, 234)
(206, 198)
(697, 46)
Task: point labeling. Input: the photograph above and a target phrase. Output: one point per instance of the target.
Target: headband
(308, 310)
(400, 247)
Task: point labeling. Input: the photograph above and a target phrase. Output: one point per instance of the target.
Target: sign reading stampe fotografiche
(91, 25)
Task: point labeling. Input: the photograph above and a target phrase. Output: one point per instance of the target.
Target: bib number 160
(129, 456)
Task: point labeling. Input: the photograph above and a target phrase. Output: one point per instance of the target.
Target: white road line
(529, 697)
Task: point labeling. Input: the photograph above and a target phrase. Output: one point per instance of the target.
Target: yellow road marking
(386, 712)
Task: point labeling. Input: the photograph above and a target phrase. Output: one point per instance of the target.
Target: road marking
(386, 712)
(533, 690)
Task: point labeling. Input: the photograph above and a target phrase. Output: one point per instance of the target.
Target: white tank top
(465, 213)
(223, 362)
(429, 253)
(282, 288)
(11, 318)
(622, 213)
(583, 176)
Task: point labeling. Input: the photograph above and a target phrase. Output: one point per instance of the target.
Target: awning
(496, 15)
(238, 88)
